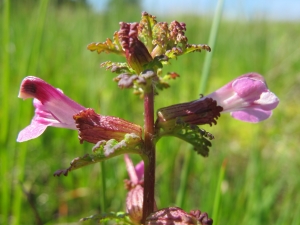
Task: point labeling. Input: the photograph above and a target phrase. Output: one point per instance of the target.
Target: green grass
(261, 181)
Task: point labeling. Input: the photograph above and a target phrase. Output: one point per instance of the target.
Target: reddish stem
(149, 160)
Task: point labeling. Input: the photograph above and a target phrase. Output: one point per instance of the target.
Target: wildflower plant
(147, 46)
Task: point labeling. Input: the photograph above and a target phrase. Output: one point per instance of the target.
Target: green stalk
(217, 200)
(5, 70)
(30, 64)
(188, 162)
(103, 188)
(204, 79)
(36, 46)
(4, 97)
(18, 193)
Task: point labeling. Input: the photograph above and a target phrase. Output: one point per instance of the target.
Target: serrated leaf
(171, 75)
(156, 63)
(192, 134)
(116, 67)
(174, 52)
(104, 150)
(196, 48)
(117, 40)
(120, 218)
(177, 51)
(108, 46)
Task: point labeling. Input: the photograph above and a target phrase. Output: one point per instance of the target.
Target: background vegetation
(261, 161)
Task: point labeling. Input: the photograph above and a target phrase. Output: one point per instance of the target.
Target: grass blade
(217, 200)
(103, 188)
(5, 188)
(29, 65)
(211, 42)
(203, 84)
(180, 197)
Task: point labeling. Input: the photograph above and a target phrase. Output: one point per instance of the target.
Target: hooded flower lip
(52, 108)
(247, 98)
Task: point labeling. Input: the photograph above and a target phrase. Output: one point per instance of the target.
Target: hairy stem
(149, 159)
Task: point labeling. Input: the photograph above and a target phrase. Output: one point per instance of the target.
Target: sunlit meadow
(260, 162)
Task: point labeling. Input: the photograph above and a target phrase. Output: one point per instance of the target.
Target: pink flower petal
(131, 170)
(139, 169)
(135, 173)
(267, 101)
(247, 98)
(249, 88)
(32, 131)
(251, 115)
(52, 108)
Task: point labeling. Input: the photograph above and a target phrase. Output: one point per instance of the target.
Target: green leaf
(120, 218)
(156, 63)
(108, 46)
(116, 67)
(104, 150)
(174, 52)
(196, 48)
(177, 51)
(192, 134)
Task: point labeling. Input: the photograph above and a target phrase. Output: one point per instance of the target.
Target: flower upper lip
(52, 107)
(247, 98)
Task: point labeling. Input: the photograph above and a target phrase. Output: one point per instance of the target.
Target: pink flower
(134, 199)
(247, 98)
(136, 173)
(52, 108)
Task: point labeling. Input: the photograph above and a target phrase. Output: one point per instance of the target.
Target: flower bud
(171, 216)
(137, 54)
(196, 112)
(134, 203)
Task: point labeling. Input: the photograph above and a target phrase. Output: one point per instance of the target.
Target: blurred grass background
(260, 162)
